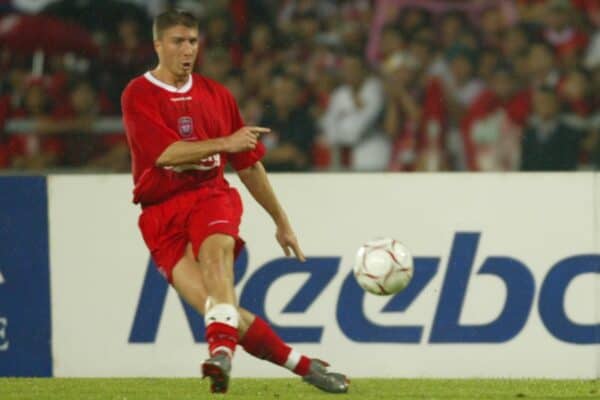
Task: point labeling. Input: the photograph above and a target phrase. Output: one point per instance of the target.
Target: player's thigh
(188, 281)
(213, 227)
(217, 252)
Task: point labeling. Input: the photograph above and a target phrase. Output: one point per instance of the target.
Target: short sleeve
(245, 159)
(146, 131)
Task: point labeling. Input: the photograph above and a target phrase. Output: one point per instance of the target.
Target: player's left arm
(256, 180)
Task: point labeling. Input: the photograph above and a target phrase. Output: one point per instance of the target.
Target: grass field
(364, 389)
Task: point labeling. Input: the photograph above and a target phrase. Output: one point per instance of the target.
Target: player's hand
(244, 139)
(289, 243)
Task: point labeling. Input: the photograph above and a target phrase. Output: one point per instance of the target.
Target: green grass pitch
(364, 389)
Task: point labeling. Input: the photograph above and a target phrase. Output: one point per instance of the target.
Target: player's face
(177, 49)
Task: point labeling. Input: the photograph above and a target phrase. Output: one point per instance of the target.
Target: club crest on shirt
(186, 127)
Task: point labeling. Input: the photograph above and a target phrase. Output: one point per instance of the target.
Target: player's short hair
(172, 18)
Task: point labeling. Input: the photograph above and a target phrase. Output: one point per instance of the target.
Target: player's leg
(188, 281)
(214, 237)
(261, 341)
(256, 336)
(188, 278)
(182, 241)
(213, 295)
(215, 258)
(212, 228)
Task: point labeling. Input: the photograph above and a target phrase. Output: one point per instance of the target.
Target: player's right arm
(182, 152)
(149, 135)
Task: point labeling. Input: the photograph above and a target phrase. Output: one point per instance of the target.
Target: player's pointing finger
(298, 252)
(259, 129)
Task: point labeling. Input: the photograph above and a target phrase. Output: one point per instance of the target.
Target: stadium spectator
(575, 93)
(542, 65)
(290, 141)
(12, 92)
(491, 128)
(350, 121)
(549, 143)
(127, 56)
(261, 46)
(531, 11)
(410, 19)
(402, 115)
(252, 111)
(451, 25)
(234, 83)
(245, 45)
(578, 103)
(414, 116)
(392, 41)
(217, 64)
(32, 150)
(220, 33)
(71, 125)
(568, 41)
(492, 26)
(515, 41)
(422, 46)
(488, 60)
(461, 86)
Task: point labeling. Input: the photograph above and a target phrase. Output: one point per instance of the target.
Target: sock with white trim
(221, 322)
(261, 341)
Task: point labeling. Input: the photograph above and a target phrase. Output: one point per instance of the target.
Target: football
(383, 266)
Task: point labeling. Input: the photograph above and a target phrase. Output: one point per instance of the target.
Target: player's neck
(166, 76)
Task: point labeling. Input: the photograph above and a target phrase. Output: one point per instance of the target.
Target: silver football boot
(319, 377)
(218, 369)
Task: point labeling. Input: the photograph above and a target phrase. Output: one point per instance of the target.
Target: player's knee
(215, 253)
(213, 264)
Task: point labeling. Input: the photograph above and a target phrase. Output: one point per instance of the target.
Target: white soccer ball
(383, 266)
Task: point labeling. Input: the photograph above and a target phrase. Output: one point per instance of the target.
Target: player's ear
(158, 47)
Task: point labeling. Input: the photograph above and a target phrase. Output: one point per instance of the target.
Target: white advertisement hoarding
(504, 278)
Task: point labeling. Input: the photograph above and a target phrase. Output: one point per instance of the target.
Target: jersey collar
(166, 86)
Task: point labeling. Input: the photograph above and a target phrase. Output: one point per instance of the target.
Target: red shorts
(189, 217)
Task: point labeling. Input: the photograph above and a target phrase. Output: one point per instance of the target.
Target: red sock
(261, 341)
(221, 338)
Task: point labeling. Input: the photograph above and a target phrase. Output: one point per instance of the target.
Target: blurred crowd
(361, 85)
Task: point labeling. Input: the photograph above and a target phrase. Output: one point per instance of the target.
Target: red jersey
(498, 132)
(156, 115)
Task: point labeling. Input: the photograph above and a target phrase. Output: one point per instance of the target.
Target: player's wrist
(282, 222)
(224, 145)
